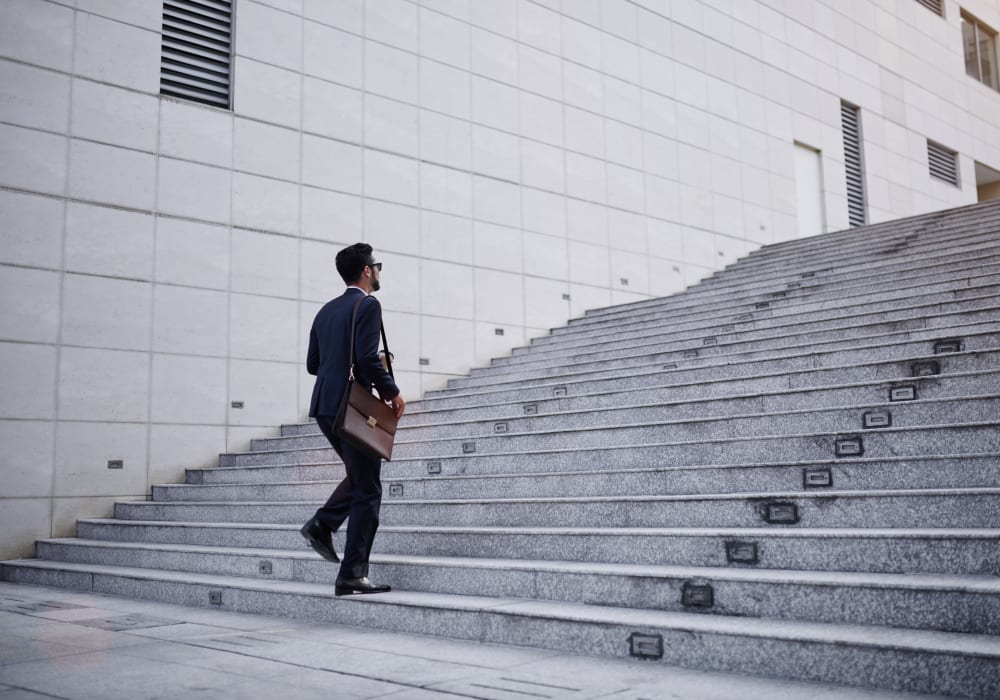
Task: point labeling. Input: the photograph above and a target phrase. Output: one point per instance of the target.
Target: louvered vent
(943, 163)
(850, 120)
(935, 6)
(197, 58)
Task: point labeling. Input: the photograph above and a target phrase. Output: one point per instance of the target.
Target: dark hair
(351, 261)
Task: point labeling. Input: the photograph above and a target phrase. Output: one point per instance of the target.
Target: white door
(809, 190)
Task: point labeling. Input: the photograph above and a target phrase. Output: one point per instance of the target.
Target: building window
(196, 57)
(943, 163)
(850, 120)
(935, 6)
(980, 44)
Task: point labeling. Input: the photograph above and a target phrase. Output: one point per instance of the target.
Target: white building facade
(513, 162)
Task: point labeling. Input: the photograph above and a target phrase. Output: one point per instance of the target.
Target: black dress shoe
(352, 586)
(320, 539)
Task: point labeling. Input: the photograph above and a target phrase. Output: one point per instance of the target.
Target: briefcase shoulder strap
(385, 342)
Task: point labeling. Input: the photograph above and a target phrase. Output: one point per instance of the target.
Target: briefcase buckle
(371, 421)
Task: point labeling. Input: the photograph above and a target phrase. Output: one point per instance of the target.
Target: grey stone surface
(737, 415)
(779, 280)
(814, 303)
(302, 659)
(605, 632)
(831, 508)
(833, 295)
(954, 603)
(894, 354)
(743, 306)
(928, 550)
(736, 378)
(856, 473)
(767, 345)
(583, 488)
(812, 318)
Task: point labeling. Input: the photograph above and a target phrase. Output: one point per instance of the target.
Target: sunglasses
(376, 265)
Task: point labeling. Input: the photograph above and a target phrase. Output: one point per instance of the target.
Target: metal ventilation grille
(850, 120)
(935, 6)
(196, 61)
(943, 163)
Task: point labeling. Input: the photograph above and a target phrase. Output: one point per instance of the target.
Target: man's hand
(398, 405)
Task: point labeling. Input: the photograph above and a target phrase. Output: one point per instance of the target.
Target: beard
(375, 285)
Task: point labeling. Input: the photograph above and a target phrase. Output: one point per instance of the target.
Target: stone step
(964, 507)
(788, 353)
(752, 359)
(873, 249)
(698, 379)
(315, 481)
(953, 385)
(754, 284)
(968, 604)
(682, 424)
(958, 551)
(956, 277)
(776, 381)
(792, 288)
(883, 657)
(684, 443)
(714, 447)
(936, 225)
(628, 349)
(808, 314)
(784, 274)
(819, 257)
(881, 237)
(931, 440)
(899, 357)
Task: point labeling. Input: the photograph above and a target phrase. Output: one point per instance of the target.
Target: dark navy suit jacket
(329, 352)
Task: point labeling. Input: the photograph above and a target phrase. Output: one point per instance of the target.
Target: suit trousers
(356, 499)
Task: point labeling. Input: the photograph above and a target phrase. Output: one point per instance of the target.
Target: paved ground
(60, 644)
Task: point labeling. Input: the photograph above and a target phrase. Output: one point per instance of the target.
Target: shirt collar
(354, 286)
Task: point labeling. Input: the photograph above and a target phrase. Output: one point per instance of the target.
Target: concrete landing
(80, 646)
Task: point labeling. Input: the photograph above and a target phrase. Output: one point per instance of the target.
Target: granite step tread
(933, 582)
(886, 550)
(955, 385)
(634, 498)
(895, 237)
(850, 533)
(776, 277)
(816, 321)
(810, 300)
(791, 298)
(881, 347)
(741, 328)
(600, 443)
(953, 507)
(788, 284)
(790, 630)
(627, 350)
(962, 217)
(881, 245)
(920, 472)
(946, 602)
(860, 254)
(772, 264)
(429, 412)
(788, 288)
(898, 360)
(653, 412)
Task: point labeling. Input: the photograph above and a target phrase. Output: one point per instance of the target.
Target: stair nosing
(968, 583)
(868, 636)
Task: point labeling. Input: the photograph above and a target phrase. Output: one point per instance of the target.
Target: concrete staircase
(791, 469)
